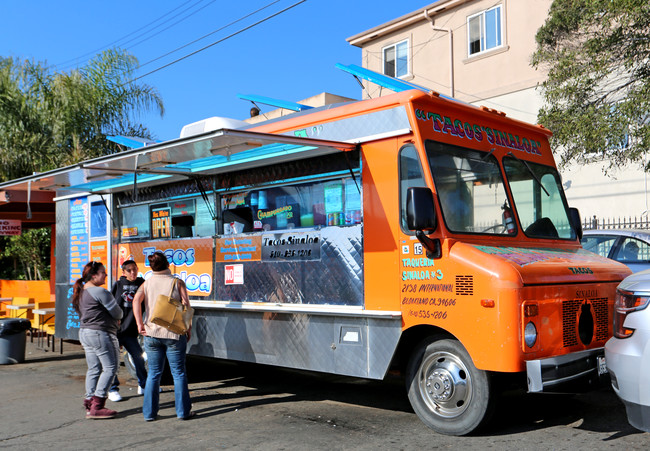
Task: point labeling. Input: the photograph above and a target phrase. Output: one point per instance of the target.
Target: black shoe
(192, 414)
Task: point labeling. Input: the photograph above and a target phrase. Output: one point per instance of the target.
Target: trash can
(12, 339)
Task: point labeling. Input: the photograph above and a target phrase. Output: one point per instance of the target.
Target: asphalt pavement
(254, 407)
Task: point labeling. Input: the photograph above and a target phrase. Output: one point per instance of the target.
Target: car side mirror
(576, 222)
(421, 217)
(420, 210)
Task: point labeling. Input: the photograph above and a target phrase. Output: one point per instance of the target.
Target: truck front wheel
(448, 393)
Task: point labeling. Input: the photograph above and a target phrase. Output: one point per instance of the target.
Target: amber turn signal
(530, 310)
(487, 303)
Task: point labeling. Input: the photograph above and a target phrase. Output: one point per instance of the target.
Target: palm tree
(25, 137)
(50, 119)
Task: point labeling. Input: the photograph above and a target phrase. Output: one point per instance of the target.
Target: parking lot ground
(254, 407)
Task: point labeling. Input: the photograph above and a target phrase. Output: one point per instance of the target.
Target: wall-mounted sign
(191, 260)
(161, 223)
(79, 237)
(245, 248)
(128, 232)
(10, 227)
(297, 246)
(234, 275)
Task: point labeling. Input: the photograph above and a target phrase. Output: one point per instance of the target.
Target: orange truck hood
(539, 265)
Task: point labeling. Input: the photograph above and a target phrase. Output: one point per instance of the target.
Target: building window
(396, 59)
(484, 30)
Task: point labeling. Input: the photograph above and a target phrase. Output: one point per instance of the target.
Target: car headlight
(626, 303)
(530, 334)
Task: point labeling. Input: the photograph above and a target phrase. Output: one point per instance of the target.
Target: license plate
(602, 367)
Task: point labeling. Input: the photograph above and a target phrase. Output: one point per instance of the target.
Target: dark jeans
(135, 351)
(174, 350)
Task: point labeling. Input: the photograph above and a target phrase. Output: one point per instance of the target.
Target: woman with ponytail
(100, 316)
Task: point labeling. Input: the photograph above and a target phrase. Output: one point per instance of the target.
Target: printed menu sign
(79, 246)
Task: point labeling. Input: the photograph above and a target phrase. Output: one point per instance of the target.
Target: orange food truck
(409, 232)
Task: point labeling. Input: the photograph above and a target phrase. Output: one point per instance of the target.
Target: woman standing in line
(160, 342)
(100, 315)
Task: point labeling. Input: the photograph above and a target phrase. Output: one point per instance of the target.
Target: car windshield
(538, 199)
(470, 188)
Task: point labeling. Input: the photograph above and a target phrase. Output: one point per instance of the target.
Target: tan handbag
(171, 313)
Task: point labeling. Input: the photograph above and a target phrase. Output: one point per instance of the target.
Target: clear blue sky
(289, 57)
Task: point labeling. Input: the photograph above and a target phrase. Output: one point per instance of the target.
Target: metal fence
(641, 222)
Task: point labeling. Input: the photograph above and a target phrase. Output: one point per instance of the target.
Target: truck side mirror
(420, 211)
(421, 216)
(576, 222)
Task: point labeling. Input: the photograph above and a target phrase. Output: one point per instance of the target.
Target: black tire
(447, 392)
(128, 361)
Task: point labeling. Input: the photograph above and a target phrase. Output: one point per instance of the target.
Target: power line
(67, 63)
(167, 28)
(211, 33)
(217, 42)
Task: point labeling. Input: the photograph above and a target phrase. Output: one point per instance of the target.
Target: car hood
(538, 265)
(637, 282)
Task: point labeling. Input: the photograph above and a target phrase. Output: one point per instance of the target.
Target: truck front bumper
(569, 373)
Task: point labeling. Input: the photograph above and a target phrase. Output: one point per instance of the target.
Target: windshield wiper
(530, 171)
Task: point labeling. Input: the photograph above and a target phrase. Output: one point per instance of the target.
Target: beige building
(479, 51)
(321, 99)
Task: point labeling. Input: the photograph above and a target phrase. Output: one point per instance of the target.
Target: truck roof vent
(210, 124)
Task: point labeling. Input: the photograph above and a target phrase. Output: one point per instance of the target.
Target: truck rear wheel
(448, 393)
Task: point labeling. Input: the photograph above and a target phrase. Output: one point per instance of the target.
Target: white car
(627, 353)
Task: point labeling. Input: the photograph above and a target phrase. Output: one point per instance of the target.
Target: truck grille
(584, 321)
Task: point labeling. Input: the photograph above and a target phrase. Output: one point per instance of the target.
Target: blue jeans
(103, 357)
(174, 350)
(135, 351)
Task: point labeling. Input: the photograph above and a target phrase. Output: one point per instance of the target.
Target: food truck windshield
(473, 196)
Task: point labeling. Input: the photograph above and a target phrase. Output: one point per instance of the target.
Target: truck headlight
(530, 334)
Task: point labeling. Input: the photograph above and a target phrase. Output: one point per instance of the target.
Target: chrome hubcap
(445, 384)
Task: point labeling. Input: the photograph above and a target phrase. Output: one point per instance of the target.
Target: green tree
(597, 94)
(51, 119)
(26, 256)
(25, 133)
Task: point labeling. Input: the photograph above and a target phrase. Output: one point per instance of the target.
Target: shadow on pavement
(291, 385)
(516, 411)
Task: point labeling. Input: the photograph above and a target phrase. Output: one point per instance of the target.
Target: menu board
(79, 239)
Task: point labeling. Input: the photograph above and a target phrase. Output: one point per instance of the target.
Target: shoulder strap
(172, 289)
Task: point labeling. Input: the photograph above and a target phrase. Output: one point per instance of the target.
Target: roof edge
(424, 13)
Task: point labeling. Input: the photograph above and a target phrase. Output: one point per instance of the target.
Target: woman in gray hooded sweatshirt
(100, 315)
